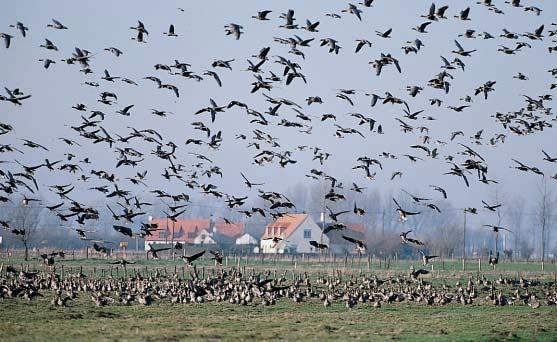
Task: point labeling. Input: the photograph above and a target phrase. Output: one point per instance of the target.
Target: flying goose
(57, 25)
(170, 32)
(354, 10)
(403, 214)
(406, 239)
(317, 245)
(464, 14)
(234, 29)
(49, 45)
(7, 39)
(360, 246)
(262, 15)
(190, 259)
(496, 228)
(21, 28)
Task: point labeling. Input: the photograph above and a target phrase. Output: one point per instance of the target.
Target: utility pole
(464, 243)
(383, 224)
(543, 217)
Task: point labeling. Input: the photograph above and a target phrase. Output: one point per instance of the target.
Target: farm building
(194, 231)
(295, 232)
(338, 245)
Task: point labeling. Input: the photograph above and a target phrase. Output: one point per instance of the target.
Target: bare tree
(25, 221)
(515, 216)
(544, 214)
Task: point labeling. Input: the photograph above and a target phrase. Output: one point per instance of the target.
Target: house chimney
(212, 225)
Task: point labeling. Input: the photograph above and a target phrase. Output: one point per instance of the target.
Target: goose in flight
(57, 25)
(123, 230)
(21, 28)
(47, 62)
(217, 256)
(464, 14)
(311, 27)
(7, 39)
(248, 183)
(360, 246)
(170, 32)
(441, 190)
(214, 75)
(153, 251)
(426, 258)
(403, 214)
(262, 15)
(49, 45)
(213, 109)
(367, 3)
(354, 10)
(317, 245)
(140, 28)
(405, 239)
(431, 13)
(361, 44)
(496, 229)
(415, 274)
(548, 158)
(13, 97)
(421, 28)
(234, 29)
(492, 208)
(386, 34)
(461, 50)
(334, 216)
(190, 259)
(117, 52)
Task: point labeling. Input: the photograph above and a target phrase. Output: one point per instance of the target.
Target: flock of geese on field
(268, 287)
(19, 181)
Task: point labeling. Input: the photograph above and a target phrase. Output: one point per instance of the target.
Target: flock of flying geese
(19, 180)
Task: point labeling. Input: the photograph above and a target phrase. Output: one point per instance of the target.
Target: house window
(307, 233)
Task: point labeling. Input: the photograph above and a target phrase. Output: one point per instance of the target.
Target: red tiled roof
(187, 230)
(184, 230)
(232, 230)
(284, 226)
(356, 227)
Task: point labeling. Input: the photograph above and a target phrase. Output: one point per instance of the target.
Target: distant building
(247, 239)
(295, 232)
(194, 231)
(338, 245)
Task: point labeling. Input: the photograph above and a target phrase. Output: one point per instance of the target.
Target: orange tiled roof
(284, 226)
(356, 227)
(187, 230)
(184, 230)
(232, 230)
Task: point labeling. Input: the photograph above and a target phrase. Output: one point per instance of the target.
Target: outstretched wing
(195, 256)
(348, 238)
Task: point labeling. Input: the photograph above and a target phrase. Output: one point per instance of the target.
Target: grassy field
(21, 320)
(37, 320)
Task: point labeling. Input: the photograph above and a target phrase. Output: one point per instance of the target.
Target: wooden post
(479, 264)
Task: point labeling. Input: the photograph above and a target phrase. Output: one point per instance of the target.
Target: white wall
(297, 238)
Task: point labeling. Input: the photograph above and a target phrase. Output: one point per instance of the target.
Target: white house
(204, 238)
(295, 231)
(246, 239)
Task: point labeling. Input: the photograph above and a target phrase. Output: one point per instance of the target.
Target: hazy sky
(95, 25)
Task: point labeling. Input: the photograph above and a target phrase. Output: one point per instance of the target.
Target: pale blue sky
(101, 24)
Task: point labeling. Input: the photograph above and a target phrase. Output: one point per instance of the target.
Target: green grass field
(21, 320)
(37, 320)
